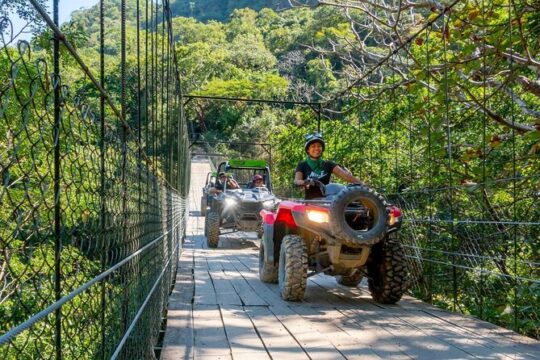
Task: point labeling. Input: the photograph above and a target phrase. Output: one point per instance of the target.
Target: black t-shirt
(219, 186)
(323, 176)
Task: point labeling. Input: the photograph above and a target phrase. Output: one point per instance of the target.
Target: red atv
(349, 233)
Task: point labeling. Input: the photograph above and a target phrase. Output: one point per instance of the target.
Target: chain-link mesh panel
(95, 175)
(445, 122)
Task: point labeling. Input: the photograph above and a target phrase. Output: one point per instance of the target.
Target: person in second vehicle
(257, 182)
(223, 179)
(315, 166)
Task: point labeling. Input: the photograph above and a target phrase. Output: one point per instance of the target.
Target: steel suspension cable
(57, 179)
(102, 150)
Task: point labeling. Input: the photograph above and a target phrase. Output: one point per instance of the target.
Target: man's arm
(346, 176)
(233, 184)
(298, 179)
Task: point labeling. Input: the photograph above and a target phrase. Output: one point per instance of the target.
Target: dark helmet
(313, 138)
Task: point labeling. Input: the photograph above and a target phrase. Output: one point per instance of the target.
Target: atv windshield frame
(243, 174)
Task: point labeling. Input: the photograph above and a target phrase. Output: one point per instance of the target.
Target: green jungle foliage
(412, 130)
(220, 10)
(27, 196)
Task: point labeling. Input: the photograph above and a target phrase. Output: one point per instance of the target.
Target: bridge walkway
(219, 309)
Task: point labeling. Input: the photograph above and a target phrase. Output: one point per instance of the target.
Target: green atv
(238, 209)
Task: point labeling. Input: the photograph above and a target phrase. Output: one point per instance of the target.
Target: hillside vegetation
(446, 124)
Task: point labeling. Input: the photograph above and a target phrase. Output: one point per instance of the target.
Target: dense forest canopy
(220, 10)
(437, 104)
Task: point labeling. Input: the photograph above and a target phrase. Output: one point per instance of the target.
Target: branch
(501, 86)
(498, 118)
(532, 86)
(516, 57)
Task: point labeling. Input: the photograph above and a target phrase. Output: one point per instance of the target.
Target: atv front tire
(212, 229)
(293, 266)
(268, 271)
(206, 225)
(350, 280)
(387, 271)
(203, 205)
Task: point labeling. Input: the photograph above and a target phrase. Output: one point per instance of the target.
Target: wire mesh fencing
(445, 121)
(95, 173)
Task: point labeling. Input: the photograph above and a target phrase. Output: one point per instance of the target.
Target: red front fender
(268, 217)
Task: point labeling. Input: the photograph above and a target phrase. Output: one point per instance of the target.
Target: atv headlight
(230, 202)
(268, 204)
(317, 216)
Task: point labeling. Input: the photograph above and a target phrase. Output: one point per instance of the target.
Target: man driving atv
(315, 167)
(223, 179)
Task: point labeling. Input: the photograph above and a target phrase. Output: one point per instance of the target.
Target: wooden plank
(317, 346)
(419, 344)
(459, 345)
(260, 288)
(374, 319)
(210, 340)
(315, 343)
(225, 292)
(242, 336)
(498, 339)
(204, 289)
(350, 337)
(465, 340)
(213, 259)
(178, 340)
(250, 261)
(471, 342)
(279, 343)
(246, 293)
(367, 335)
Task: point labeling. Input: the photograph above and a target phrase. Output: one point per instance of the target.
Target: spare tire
(369, 198)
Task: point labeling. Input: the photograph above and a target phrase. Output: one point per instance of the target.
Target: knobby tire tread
(268, 270)
(293, 266)
(387, 280)
(212, 230)
(347, 280)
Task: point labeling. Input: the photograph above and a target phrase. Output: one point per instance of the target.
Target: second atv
(239, 209)
(350, 233)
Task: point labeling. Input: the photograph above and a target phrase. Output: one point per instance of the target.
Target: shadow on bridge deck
(220, 310)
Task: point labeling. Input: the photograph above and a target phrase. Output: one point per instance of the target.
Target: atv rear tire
(349, 280)
(203, 205)
(212, 229)
(293, 266)
(268, 271)
(343, 231)
(387, 271)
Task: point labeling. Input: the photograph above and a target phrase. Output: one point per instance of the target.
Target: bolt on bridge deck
(219, 309)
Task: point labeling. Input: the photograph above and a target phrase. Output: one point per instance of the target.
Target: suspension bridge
(102, 252)
(220, 309)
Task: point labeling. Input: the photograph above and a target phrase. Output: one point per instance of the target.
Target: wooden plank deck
(219, 309)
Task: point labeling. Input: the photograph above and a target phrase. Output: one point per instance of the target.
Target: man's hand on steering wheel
(309, 182)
